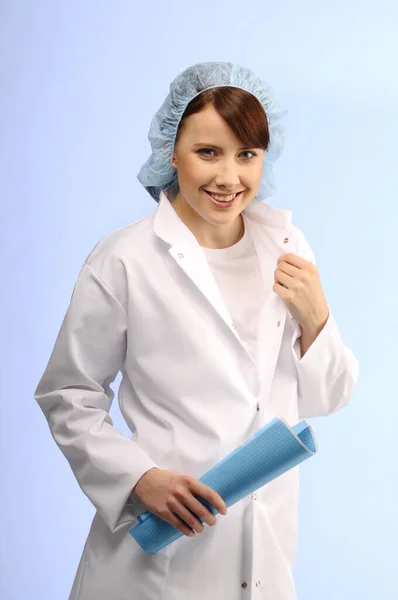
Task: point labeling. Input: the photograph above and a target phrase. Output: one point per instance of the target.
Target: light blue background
(80, 82)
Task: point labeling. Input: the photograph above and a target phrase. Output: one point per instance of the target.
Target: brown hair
(240, 109)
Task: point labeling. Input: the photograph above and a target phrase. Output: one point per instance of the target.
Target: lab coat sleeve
(328, 371)
(75, 396)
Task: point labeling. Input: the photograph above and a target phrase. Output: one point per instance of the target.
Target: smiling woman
(218, 155)
(219, 151)
(201, 306)
(245, 103)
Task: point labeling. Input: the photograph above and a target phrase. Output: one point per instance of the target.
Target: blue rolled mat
(270, 452)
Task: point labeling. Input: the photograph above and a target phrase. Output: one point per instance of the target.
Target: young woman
(212, 309)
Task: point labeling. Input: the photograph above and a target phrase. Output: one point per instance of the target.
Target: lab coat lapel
(270, 242)
(191, 259)
(187, 253)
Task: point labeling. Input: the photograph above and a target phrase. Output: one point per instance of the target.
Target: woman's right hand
(171, 497)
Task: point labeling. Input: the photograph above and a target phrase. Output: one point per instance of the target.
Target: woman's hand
(171, 497)
(297, 282)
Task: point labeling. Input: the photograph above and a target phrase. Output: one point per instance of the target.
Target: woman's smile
(223, 201)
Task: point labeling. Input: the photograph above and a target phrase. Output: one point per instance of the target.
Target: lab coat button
(180, 255)
(285, 241)
(244, 584)
(254, 496)
(278, 324)
(258, 584)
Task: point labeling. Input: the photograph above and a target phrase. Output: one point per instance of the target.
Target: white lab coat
(146, 303)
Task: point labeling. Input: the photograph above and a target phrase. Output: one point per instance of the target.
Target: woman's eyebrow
(207, 145)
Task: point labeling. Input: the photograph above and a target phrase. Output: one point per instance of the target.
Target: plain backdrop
(79, 84)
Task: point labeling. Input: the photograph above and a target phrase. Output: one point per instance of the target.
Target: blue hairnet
(157, 173)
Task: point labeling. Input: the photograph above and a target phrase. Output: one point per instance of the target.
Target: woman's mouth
(224, 201)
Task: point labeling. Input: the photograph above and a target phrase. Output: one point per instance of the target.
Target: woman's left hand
(298, 284)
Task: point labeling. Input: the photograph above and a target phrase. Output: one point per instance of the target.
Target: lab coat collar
(169, 226)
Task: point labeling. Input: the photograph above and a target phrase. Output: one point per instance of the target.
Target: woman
(212, 309)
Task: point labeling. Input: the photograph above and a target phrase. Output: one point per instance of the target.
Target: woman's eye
(203, 150)
(248, 152)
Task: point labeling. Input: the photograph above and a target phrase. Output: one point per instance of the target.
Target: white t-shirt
(237, 272)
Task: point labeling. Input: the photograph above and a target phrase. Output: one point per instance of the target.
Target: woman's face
(210, 158)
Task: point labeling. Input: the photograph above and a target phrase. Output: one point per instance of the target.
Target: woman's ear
(174, 161)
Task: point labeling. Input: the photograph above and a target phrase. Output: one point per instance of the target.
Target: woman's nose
(227, 176)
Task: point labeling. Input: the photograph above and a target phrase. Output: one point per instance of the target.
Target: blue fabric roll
(269, 453)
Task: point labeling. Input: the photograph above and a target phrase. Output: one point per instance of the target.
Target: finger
(180, 525)
(294, 260)
(189, 518)
(283, 279)
(200, 510)
(289, 269)
(282, 292)
(200, 489)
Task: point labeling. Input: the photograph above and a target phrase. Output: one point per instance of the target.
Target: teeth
(223, 198)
